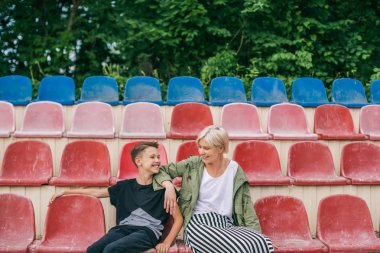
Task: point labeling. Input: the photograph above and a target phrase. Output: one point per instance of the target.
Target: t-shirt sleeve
(114, 193)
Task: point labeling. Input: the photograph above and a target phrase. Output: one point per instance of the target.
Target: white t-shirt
(216, 193)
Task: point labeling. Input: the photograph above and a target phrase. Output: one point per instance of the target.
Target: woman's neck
(217, 167)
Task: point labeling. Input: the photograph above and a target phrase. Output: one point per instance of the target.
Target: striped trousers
(215, 233)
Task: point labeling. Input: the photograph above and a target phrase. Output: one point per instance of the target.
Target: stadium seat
(334, 122)
(309, 92)
(225, 90)
(183, 89)
(26, 163)
(369, 121)
(142, 89)
(16, 223)
(344, 224)
(73, 222)
(84, 163)
(142, 120)
(188, 119)
(311, 163)
(7, 119)
(92, 120)
(16, 89)
(42, 119)
(267, 91)
(185, 150)
(288, 122)
(348, 92)
(375, 92)
(242, 121)
(284, 220)
(260, 162)
(101, 89)
(59, 89)
(360, 162)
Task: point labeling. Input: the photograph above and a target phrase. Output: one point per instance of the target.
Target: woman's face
(208, 153)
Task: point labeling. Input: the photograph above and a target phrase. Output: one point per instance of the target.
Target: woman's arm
(98, 193)
(172, 170)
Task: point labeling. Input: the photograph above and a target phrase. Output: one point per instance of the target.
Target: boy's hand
(57, 195)
(162, 247)
(170, 197)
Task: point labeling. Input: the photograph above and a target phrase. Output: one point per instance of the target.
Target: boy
(140, 212)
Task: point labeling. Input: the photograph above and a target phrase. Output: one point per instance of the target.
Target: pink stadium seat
(42, 119)
(284, 220)
(92, 120)
(84, 163)
(334, 122)
(73, 222)
(242, 121)
(188, 119)
(288, 122)
(16, 223)
(369, 121)
(344, 224)
(360, 162)
(260, 162)
(311, 163)
(142, 120)
(26, 163)
(7, 119)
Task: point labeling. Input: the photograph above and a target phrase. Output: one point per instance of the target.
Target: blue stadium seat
(142, 89)
(225, 90)
(267, 91)
(375, 92)
(101, 89)
(348, 92)
(309, 92)
(184, 89)
(59, 89)
(16, 89)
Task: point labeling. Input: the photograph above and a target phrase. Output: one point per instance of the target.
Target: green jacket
(191, 171)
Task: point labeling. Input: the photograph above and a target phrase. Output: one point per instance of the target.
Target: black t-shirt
(138, 205)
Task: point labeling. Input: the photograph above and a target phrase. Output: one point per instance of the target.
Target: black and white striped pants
(211, 232)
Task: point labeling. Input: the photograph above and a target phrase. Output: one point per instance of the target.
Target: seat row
(265, 91)
(87, 163)
(144, 120)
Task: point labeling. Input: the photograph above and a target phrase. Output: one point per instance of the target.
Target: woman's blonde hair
(216, 136)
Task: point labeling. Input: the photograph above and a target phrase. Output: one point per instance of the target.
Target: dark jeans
(121, 239)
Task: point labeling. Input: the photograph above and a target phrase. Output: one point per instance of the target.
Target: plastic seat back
(7, 119)
(375, 92)
(369, 121)
(183, 89)
(188, 119)
(225, 90)
(267, 91)
(17, 223)
(101, 89)
(42, 119)
(142, 89)
(59, 89)
(92, 120)
(309, 92)
(260, 162)
(26, 163)
(16, 89)
(142, 120)
(187, 149)
(288, 121)
(242, 121)
(348, 92)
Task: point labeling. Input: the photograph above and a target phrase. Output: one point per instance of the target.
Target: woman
(214, 199)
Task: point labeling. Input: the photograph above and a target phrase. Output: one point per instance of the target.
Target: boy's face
(149, 160)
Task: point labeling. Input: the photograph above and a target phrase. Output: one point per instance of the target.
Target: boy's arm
(98, 193)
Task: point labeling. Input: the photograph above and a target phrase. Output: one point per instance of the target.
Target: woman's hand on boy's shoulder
(162, 247)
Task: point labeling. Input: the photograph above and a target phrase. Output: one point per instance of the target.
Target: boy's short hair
(216, 136)
(140, 147)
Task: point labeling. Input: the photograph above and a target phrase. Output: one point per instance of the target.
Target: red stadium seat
(344, 224)
(260, 162)
(360, 163)
(185, 150)
(284, 220)
(7, 119)
(369, 121)
(242, 121)
(188, 119)
(16, 223)
(73, 222)
(42, 119)
(334, 122)
(311, 163)
(288, 122)
(84, 163)
(26, 163)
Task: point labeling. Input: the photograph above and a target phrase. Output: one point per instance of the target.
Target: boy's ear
(138, 160)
